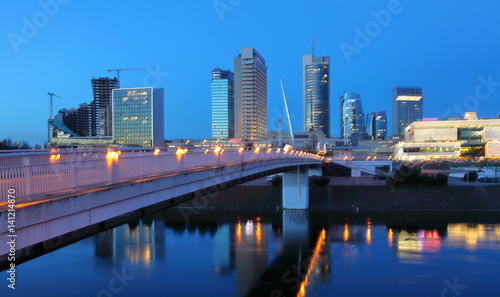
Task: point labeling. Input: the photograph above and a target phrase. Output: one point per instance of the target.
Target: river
(190, 252)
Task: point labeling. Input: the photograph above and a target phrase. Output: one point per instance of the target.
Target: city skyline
(373, 47)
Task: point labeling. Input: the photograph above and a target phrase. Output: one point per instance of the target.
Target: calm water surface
(286, 253)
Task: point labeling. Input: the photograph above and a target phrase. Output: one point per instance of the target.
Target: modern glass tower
(222, 103)
(316, 93)
(138, 118)
(352, 121)
(376, 125)
(250, 95)
(407, 107)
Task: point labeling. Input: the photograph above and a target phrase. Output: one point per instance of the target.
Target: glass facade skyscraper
(138, 118)
(222, 103)
(250, 95)
(316, 93)
(376, 125)
(352, 119)
(407, 107)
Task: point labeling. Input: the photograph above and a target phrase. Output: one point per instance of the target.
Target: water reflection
(251, 253)
(289, 253)
(474, 236)
(139, 242)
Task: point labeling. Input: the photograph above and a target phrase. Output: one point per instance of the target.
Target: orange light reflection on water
(316, 254)
(346, 232)
(369, 232)
(390, 237)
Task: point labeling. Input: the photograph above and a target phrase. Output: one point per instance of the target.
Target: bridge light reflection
(257, 149)
(346, 232)
(239, 228)
(241, 149)
(320, 246)
(258, 234)
(217, 149)
(157, 152)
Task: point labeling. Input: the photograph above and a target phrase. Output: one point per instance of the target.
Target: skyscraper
(138, 118)
(352, 119)
(101, 119)
(376, 125)
(407, 107)
(316, 93)
(250, 95)
(222, 103)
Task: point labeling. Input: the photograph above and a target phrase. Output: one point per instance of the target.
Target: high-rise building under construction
(102, 117)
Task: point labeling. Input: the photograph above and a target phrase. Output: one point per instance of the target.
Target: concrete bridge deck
(48, 220)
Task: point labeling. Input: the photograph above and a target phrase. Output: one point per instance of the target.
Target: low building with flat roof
(468, 137)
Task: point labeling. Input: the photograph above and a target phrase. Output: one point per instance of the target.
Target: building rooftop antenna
(313, 43)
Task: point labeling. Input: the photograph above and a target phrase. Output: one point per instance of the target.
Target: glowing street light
(180, 151)
(112, 156)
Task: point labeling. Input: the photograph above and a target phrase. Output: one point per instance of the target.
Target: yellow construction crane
(52, 102)
(118, 70)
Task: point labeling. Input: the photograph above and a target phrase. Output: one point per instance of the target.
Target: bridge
(53, 198)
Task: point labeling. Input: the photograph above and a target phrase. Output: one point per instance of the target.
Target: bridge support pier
(296, 189)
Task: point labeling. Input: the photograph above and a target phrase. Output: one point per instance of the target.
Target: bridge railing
(58, 170)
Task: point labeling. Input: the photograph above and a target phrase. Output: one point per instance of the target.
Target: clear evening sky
(450, 48)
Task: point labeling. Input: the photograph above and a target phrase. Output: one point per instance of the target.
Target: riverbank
(361, 195)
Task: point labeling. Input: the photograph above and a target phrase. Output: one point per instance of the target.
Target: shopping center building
(451, 138)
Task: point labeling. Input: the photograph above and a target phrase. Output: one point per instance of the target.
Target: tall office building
(222, 103)
(250, 95)
(316, 93)
(407, 107)
(138, 118)
(101, 121)
(352, 119)
(376, 125)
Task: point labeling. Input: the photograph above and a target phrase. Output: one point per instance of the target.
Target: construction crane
(118, 70)
(52, 102)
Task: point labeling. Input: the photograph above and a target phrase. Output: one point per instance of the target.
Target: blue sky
(449, 48)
